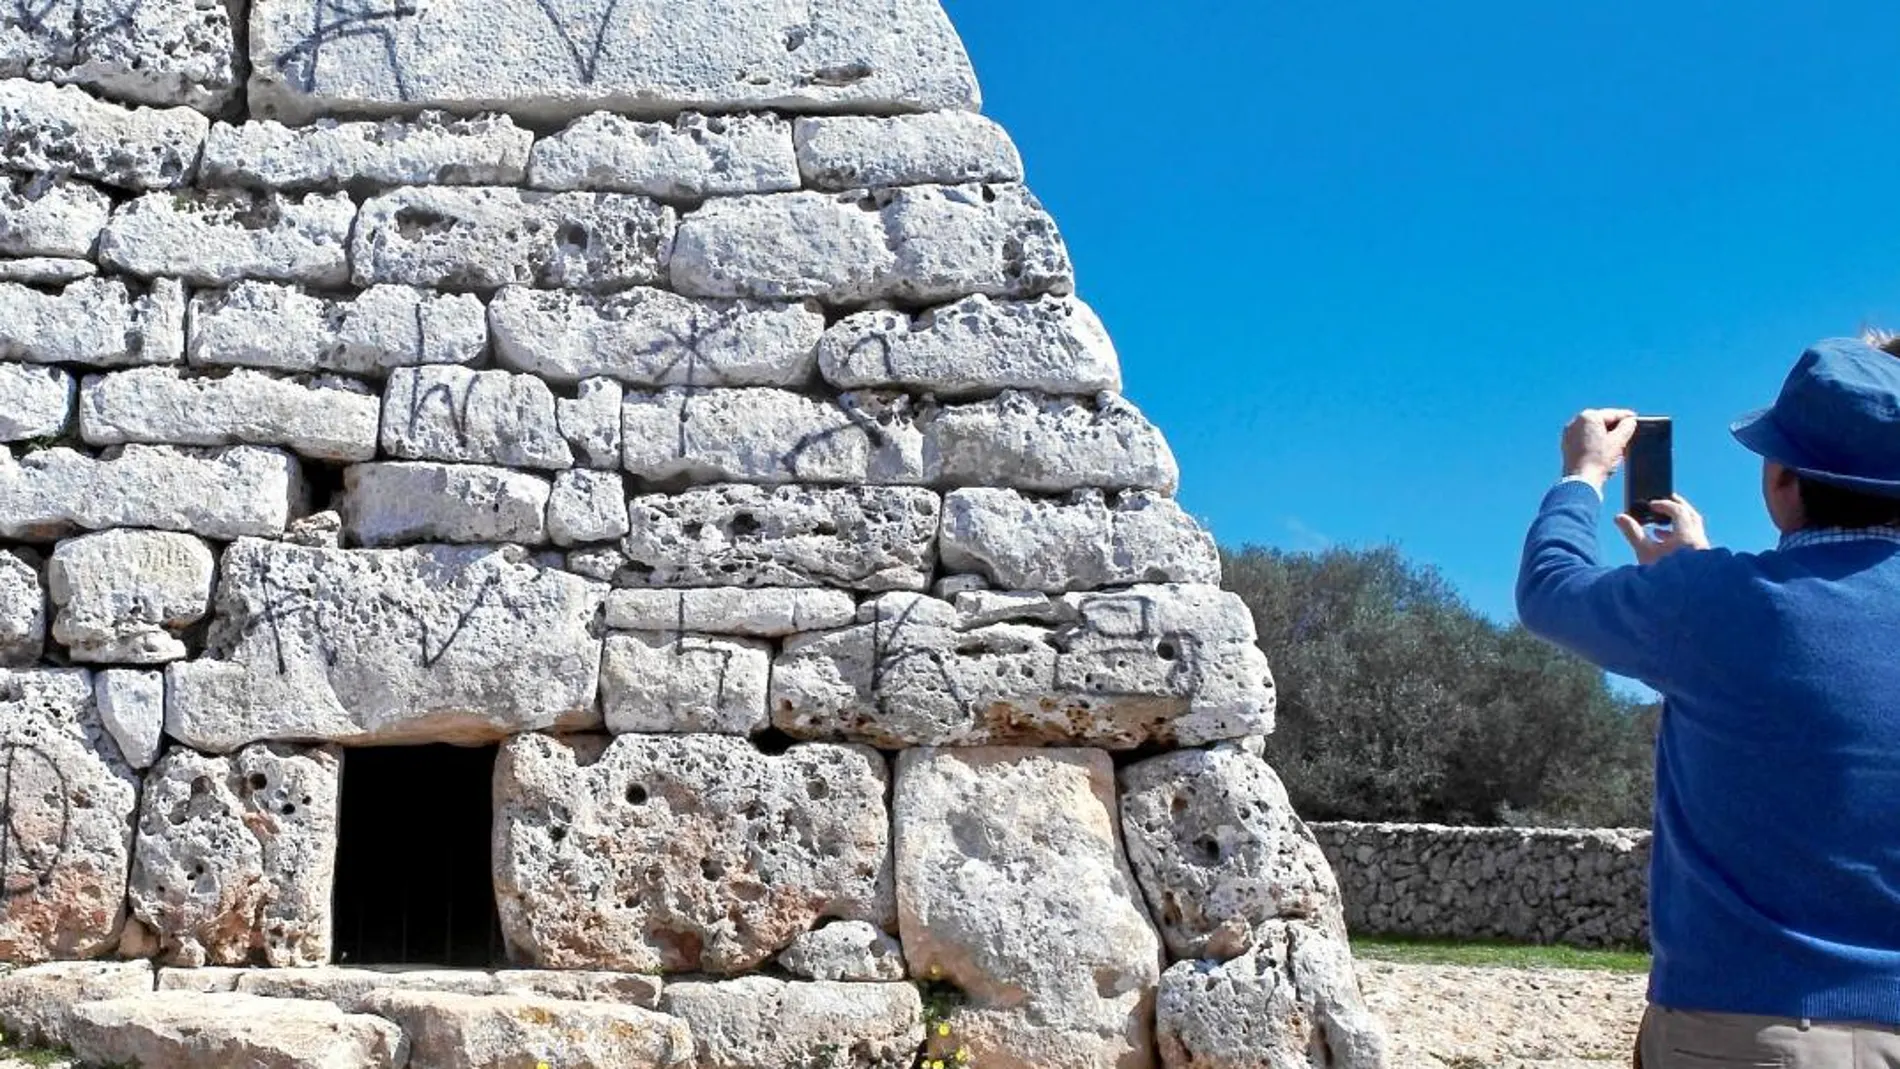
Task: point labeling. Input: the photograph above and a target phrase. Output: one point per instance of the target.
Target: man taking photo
(1775, 868)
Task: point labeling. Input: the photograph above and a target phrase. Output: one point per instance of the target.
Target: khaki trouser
(1687, 1039)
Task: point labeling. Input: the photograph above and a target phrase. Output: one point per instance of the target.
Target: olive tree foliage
(1399, 702)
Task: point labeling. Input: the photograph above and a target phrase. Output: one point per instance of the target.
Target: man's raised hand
(1685, 530)
(1594, 443)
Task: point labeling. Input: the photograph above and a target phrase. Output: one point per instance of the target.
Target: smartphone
(1649, 469)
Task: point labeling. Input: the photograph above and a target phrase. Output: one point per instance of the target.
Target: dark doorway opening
(413, 883)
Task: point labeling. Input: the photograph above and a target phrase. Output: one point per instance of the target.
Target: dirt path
(1458, 1017)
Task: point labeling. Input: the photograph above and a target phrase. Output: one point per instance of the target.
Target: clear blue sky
(1362, 260)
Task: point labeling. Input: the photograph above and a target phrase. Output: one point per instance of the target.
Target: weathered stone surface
(764, 612)
(350, 988)
(70, 819)
(267, 325)
(1011, 885)
(975, 347)
(122, 596)
(759, 435)
(34, 1000)
(582, 985)
(844, 950)
(675, 683)
(650, 337)
(1047, 445)
(50, 215)
(236, 855)
(405, 502)
(22, 610)
(216, 237)
(683, 853)
(477, 417)
(638, 57)
(35, 402)
(484, 237)
(388, 646)
(45, 270)
(590, 422)
(688, 158)
(431, 149)
(915, 243)
(980, 608)
(841, 152)
(587, 506)
(1085, 542)
(862, 538)
(154, 52)
(759, 1020)
(61, 129)
(190, 1030)
(103, 322)
(450, 1031)
(164, 405)
(214, 493)
(132, 706)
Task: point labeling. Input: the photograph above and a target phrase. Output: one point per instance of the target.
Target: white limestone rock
(760, 435)
(388, 646)
(642, 57)
(45, 270)
(236, 855)
(482, 238)
(35, 1000)
(164, 405)
(63, 130)
(132, 706)
(123, 596)
(430, 149)
(1012, 886)
(1048, 445)
(100, 322)
(35, 402)
(192, 1030)
(678, 683)
(22, 609)
(476, 417)
(449, 1031)
(213, 493)
(840, 152)
(587, 506)
(914, 243)
(856, 537)
(404, 502)
(71, 799)
(763, 1021)
(50, 215)
(351, 988)
(689, 158)
(845, 950)
(216, 237)
(692, 853)
(1082, 543)
(590, 422)
(762, 612)
(974, 347)
(153, 52)
(652, 338)
(286, 328)
(981, 608)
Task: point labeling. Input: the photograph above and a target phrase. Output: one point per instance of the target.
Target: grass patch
(37, 1055)
(1499, 955)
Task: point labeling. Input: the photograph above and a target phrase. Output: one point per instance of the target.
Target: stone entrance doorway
(413, 879)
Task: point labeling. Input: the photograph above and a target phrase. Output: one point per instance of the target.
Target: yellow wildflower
(963, 1054)
(943, 1028)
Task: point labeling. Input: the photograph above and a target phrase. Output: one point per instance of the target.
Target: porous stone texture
(35, 1000)
(689, 158)
(1012, 887)
(1083, 542)
(69, 804)
(845, 950)
(132, 705)
(154, 52)
(192, 1030)
(216, 237)
(590, 421)
(213, 493)
(771, 436)
(123, 596)
(287, 328)
(691, 853)
(47, 215)
(1047, 445)
(350, 988)
(586, 506)
(98, 322)
(406, 502)
(478, 417)
(63, 130)
(451, 1031)
(431, 149)
(674, 682)
(841, 152)
(165, 405)
(759, 1020)
(765, 612)
(235, 855)
(22, 609)
(35, 402)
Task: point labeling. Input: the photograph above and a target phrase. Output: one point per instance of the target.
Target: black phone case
(1648, 473)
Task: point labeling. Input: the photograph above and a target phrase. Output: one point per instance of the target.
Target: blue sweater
(1775, 872)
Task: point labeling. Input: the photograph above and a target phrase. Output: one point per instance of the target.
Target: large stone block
(677, 683)
(689, 853)
(68, 800)
(650, 338)
(50, 215)
(22, 609)
(764, 612)
(476, 417)
(1012, 886)
(63, 130)
(1082, 543)
(132, 706)
(760, 1020)
(35, 1000)
(840, 152)
(102, 322)
(915, 243)
(689, 158)
(404, 502)
(1048, 445)
(35, 402)
(760, 435)
(453, 1031)
(153, 52)
(587, 506)
(124, 596)
(861, 538)
(975, 347)
(267, 325)
(164, 405)
(388, 646)
(193, 1030)
(214, 493)
(645, 57)
(236, 855)
(216, 237)
(482, 238)
(430, 149)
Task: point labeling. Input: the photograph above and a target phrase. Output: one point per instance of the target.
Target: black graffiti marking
(36, 858)
(456, 405)
(490, 586)
(856, 419)
(33, 19)
(887, 354)
(332, 21)
(686, 346)
(1127, 624)
(586, 66)
(885, 660)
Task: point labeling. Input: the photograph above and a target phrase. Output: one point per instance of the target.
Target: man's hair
(1885, 340)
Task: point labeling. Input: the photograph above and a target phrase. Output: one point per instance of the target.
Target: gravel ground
(1460, 1017)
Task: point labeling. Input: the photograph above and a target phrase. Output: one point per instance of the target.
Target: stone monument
(645, 453)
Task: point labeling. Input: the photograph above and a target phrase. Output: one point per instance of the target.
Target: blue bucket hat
(1837, 420)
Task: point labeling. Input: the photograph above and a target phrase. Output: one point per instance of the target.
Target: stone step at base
(191, 1030)
(349, 987)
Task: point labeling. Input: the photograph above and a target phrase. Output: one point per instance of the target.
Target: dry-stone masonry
(687, 400)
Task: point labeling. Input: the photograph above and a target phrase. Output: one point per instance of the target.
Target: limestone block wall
(1580, 887)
